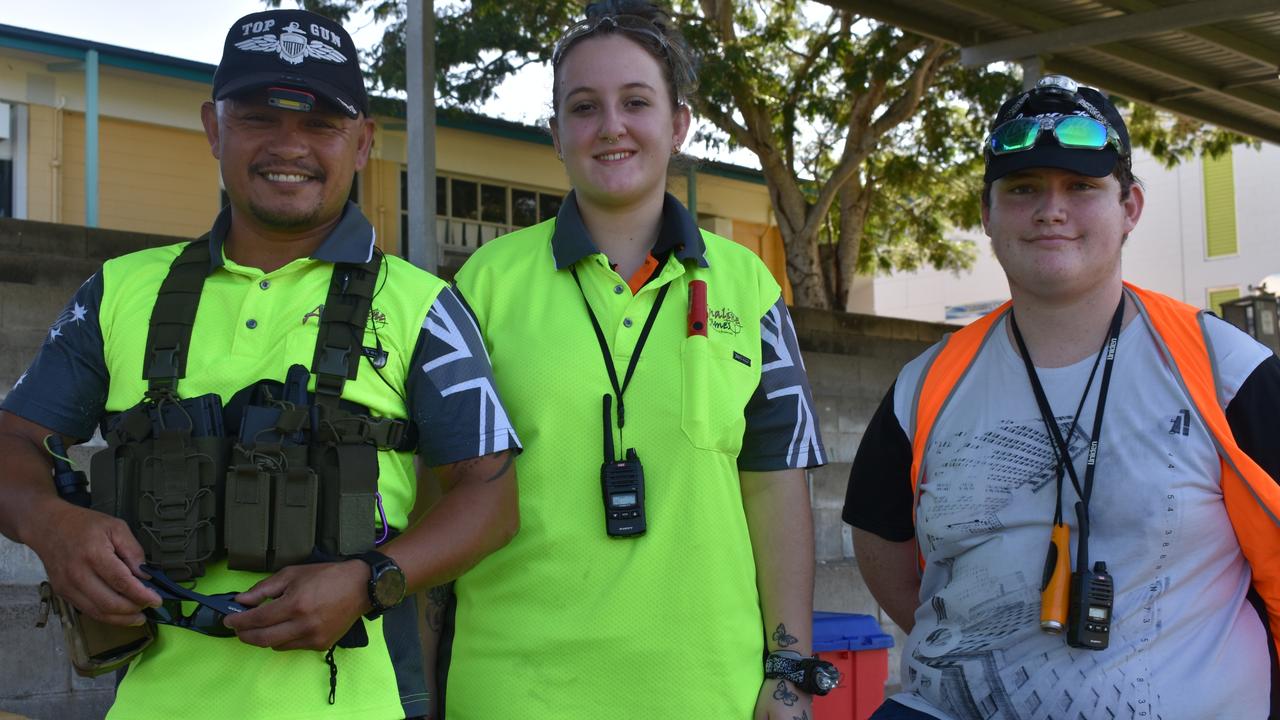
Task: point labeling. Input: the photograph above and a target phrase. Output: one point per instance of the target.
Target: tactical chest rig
(297, 481)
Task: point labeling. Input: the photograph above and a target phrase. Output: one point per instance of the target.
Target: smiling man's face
(284, 170)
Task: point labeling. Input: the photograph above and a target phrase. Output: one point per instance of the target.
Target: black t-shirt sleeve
(878, 498)
(65, 389)
(782, 426)
(1252, 416)
(452, 396)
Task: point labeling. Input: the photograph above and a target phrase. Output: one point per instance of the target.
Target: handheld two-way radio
(1092, 594)
(622, 485)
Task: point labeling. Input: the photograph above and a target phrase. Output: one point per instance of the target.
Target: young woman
(653, 373)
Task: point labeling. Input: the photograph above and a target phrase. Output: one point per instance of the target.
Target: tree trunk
(804, 267)
(855, 203)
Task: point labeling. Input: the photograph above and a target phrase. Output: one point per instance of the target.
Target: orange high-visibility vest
(1251, 496)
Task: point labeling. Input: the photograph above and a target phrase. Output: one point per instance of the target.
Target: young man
(993, 442)
(283, 506)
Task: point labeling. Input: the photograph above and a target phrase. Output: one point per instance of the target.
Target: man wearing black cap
(262, 391)
(1045, 563)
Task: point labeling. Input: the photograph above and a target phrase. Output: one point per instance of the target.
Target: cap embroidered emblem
(292, 45)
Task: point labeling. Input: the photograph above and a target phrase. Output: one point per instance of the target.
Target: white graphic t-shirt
(1184, 642)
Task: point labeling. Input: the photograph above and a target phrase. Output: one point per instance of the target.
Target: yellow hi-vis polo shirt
(565, 622)
(250, 326)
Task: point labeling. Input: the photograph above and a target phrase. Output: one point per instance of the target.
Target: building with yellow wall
(155, 173)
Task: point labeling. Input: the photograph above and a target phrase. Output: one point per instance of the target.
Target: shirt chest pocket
(716, 384)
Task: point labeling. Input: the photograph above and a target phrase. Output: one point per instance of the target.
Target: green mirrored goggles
(1076, 132)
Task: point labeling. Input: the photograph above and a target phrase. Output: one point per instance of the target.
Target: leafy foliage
(1173, 138)
(867, 136)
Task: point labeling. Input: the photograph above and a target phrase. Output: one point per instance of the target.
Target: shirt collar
(350, 241)
(679, 233)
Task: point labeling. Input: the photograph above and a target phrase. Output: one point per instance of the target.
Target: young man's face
(1058, 234)
(284, 170)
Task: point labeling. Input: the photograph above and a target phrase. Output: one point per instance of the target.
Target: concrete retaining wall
(851, 360)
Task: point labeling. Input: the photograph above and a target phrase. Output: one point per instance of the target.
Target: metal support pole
(420, 31)
(91, 138)
(1032, 71)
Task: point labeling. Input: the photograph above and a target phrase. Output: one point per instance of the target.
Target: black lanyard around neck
(618, 390)
(1060, 446)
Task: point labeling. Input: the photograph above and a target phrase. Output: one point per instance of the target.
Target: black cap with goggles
(1057, 124)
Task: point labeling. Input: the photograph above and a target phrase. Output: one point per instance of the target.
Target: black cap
(1061, 95)
(294, 50)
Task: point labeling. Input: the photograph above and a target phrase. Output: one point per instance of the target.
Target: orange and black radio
(1078, 603)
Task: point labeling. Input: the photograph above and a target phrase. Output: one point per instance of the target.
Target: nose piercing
(611, 139)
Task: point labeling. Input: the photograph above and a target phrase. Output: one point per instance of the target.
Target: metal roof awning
(1212, 60)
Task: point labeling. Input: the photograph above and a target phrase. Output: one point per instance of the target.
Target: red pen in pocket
(697, 308)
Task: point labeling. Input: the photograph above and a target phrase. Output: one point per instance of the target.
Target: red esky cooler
(856, 645)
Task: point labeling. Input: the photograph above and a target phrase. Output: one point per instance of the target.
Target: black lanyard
(618, 390)
(1061, 451)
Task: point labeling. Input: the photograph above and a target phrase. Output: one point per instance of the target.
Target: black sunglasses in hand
(207, 617)
(210, 610)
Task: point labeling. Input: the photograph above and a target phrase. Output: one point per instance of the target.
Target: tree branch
(905, 105)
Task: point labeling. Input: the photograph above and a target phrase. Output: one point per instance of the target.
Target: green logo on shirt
(377, 318)
(725, 320)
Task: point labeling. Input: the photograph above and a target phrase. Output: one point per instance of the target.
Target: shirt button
(264, 284)
(617, 289)
(626, 322)
(251, 324)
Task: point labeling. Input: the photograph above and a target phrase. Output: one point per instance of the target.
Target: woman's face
(615, 128)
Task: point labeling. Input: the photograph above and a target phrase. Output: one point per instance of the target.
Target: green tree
(868, 137)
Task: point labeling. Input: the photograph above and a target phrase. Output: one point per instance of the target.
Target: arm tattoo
(784, 639)
(783, 693)
(468, 466)
(804, 715)
(507, 460)
(437, 599)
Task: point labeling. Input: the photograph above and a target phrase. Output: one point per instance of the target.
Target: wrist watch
(814, 676)
(386, 583)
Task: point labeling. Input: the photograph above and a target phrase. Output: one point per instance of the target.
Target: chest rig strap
(173, 317)
(343, 449)
(342, 322)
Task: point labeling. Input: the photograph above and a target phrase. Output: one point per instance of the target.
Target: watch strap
(798, 669)
(785, 665)
(378, 564)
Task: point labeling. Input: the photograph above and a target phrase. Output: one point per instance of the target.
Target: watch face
(389, 587)
(826, 677)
